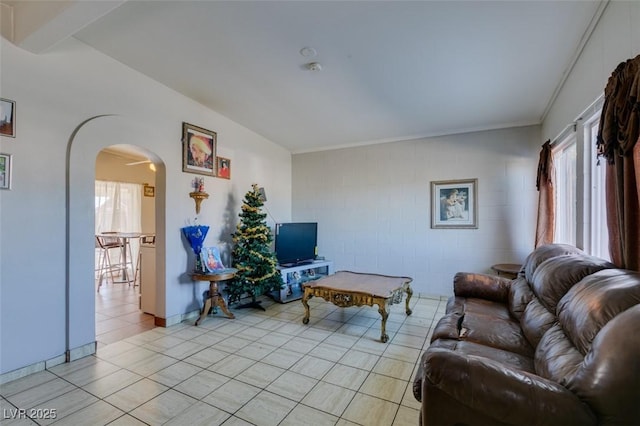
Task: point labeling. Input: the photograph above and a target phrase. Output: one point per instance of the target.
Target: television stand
(294, 276)
(291, 265)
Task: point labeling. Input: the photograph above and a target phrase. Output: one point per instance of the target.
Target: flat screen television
(296, 243)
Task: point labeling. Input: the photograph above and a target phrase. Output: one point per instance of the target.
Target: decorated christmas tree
(252, 254)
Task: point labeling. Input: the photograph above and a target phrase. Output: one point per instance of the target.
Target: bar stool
(107, 244)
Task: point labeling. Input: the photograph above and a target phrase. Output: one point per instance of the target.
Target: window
(598, 243)
(564, 161)
(580, 187)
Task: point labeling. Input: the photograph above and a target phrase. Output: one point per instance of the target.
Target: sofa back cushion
(594, 302)
(551, 281)
(543, 253)
(594, 347)
(554, 277)
(520, 293)
(609, 379)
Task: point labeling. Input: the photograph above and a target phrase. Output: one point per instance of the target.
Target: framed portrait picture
(211, 259)
(7, 118)
(454, 204)
(5, 171)
(198, 150)
(149, 191)
(224, 167)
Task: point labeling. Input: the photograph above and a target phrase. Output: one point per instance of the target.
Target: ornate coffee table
(346, 289)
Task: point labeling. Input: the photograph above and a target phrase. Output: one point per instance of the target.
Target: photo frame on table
(223, 167)
(454, 204)
(7, 118)
(198, 150)
(211, 259)
(5, 171)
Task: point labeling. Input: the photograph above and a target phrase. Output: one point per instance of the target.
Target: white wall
(615, 39)
(372, 204)
(54, 94)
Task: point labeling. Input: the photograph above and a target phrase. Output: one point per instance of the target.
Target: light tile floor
(262, 368)
(117, 313)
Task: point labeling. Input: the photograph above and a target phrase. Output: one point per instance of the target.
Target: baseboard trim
(175, 319)
(72, 355)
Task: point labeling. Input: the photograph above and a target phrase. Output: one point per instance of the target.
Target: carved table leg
(205, 310)
(409, 294)
(305, 298)
(384, 337)
(219, 300)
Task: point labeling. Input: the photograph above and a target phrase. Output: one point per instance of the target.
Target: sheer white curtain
(118, 209)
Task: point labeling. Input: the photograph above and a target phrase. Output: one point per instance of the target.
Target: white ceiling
(391, 70)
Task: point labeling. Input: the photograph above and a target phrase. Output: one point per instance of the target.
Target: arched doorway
(125, 185)
(87, 140)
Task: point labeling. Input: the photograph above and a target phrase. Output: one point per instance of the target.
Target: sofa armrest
(481, 286)
(509, 395)
(417, 380)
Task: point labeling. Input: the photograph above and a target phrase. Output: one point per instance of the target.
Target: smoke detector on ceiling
(314, 66)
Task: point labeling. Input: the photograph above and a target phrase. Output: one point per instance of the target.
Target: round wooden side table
(215, 298)
(508, 269)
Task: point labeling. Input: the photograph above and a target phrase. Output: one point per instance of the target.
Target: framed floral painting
(454, 203)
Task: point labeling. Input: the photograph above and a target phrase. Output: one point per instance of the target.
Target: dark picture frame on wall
(7, 118)
(198, 150)
(149, 191)
(454, 204)
(223, 167)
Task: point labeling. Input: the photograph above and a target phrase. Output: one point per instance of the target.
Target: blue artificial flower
(196, 234)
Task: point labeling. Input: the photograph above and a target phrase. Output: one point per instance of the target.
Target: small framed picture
(149, 191)
(198, 150)
(454, 204)
(5, 171)
(7, 118)
(224, 167)
(211, 259)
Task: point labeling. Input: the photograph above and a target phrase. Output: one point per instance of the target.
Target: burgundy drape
(617, 141)
(546, 198)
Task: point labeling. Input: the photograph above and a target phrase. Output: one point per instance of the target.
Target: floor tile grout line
(294, 316)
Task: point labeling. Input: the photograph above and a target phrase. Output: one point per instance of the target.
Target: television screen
(296, 243)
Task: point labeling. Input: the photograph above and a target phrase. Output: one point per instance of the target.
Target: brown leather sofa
(558, 345)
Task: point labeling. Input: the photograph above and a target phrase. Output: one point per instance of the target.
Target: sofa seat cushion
(512, 359)
(449, 325)
(497, 332)
(463, 305)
